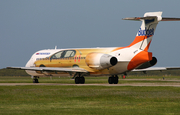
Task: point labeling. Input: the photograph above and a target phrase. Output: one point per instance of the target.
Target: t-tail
(146, 31)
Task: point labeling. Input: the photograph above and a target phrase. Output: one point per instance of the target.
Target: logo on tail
(146, 32)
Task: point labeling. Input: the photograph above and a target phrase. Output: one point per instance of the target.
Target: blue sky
(27, 26)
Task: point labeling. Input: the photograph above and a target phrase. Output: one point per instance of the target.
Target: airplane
(110, 61)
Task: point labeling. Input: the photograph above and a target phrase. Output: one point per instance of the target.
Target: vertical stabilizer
(146, 31)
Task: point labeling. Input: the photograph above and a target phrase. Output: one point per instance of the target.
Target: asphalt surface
(124, 84)
(173, 83)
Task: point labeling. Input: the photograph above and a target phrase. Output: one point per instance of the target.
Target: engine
(100, 60)
(148, 64)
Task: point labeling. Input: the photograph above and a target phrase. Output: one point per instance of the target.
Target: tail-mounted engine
(148, 64)
(100, 61)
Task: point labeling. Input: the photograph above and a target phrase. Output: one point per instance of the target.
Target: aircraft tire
(82, 80)
(116, 79)
(77, 80)
(110, 80)
(35, 81)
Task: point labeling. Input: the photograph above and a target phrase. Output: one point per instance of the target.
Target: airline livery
(111, 61)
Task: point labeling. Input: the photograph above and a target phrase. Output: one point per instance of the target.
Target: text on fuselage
(146, 32)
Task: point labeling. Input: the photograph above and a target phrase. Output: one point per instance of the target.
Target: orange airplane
(111, 61)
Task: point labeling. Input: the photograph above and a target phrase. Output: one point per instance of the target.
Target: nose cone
(138, 59)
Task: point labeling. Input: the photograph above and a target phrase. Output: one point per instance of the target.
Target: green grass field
(81, 100)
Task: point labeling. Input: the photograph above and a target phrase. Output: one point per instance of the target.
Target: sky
(27, 26)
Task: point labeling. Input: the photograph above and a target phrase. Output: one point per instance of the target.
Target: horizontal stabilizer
(150, 18)
(140, 18)
(170, 19)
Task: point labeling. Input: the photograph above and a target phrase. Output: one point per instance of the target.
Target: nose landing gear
(35, 79)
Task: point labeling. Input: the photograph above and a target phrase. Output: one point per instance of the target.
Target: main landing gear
(35, 79)
(113, 79)
(79, 79)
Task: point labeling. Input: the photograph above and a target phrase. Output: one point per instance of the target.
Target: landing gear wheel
(79, 79)
(82, 80)
(35, 80)
(113, 79)
(116, 79)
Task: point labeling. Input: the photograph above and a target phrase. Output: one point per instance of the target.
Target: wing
(157, 69)
(50, 69)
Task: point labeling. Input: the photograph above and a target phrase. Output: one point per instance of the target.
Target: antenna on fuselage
(55, 47)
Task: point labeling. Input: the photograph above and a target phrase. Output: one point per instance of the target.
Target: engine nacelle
(148, 64)
(100, 61)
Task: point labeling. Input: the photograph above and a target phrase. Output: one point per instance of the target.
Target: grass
(77, 100)
(89, 100)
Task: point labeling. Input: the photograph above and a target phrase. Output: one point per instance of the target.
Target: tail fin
(144, 35)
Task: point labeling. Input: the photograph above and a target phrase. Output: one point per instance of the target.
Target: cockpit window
(63, 54)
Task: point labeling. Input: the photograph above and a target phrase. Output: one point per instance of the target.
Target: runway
(124, 84)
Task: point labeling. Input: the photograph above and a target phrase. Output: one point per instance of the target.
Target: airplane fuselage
(88, 59)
